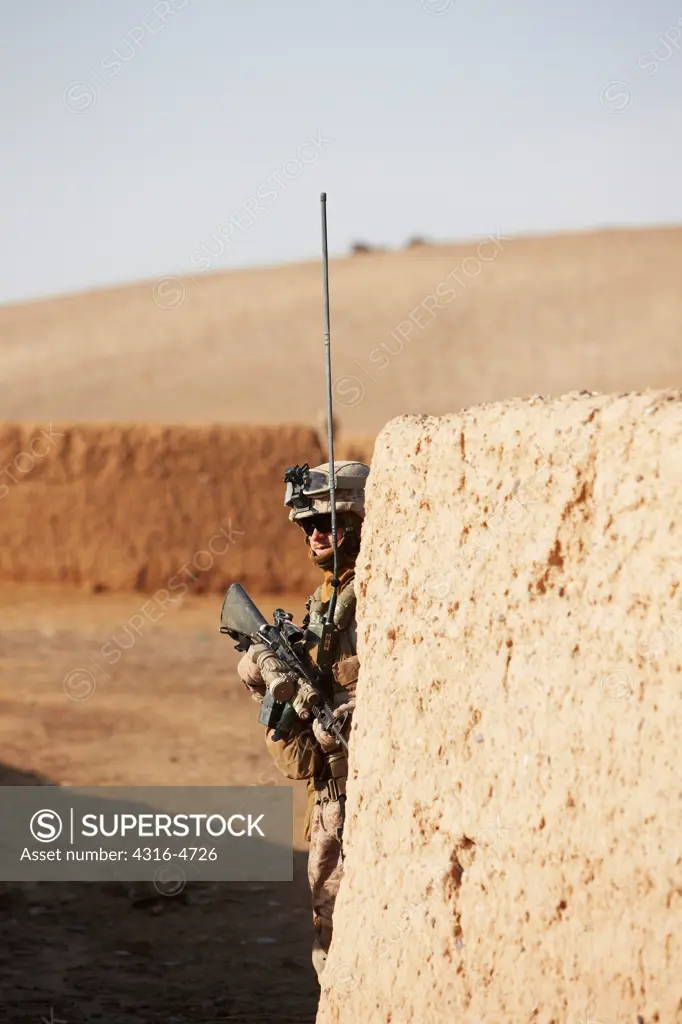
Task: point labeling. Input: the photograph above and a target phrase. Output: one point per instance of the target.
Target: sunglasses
(321, 523)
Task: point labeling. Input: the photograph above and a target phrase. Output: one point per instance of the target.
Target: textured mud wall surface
(147, 507)
(512, 846)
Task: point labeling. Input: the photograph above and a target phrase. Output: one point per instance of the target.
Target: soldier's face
(321, 540)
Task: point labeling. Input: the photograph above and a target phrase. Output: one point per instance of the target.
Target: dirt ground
(171, 711)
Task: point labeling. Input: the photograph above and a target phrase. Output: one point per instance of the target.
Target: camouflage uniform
(300, 755)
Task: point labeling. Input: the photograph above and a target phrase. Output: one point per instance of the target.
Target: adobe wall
(513, 833)
(119, 507)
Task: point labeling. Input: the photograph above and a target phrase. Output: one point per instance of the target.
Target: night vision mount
(297, 479)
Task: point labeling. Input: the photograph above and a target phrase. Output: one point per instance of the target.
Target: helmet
(308, 494)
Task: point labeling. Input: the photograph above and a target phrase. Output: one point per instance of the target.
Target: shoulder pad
(345, 605)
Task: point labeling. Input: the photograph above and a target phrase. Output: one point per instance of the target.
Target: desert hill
(427, 329)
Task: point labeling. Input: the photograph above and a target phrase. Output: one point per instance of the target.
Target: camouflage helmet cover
(313, 497)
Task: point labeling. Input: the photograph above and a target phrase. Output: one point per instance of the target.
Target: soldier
(312, 753)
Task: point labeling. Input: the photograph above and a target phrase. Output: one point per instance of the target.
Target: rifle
(243, 622)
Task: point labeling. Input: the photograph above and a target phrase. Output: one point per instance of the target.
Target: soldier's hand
(250, 674)
(280, 681)
(327, 741)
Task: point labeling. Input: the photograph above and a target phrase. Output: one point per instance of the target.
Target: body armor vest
(345, 640)
(332, 782)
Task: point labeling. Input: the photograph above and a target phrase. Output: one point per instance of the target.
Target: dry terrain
(512, 317)
(179, 405)
(171, 712)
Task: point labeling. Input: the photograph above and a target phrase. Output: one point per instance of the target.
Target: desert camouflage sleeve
(299, 755)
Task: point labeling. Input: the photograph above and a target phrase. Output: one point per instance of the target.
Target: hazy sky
(145, 137)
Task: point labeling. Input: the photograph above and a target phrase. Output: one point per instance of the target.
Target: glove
(346, 673)
(260, 669)
(250, 674)
(280, 681)
(328, 742)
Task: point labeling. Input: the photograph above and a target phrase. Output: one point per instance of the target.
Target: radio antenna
(330, 428)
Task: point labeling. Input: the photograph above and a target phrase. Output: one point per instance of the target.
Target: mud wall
(146, 508)
(512, 845)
